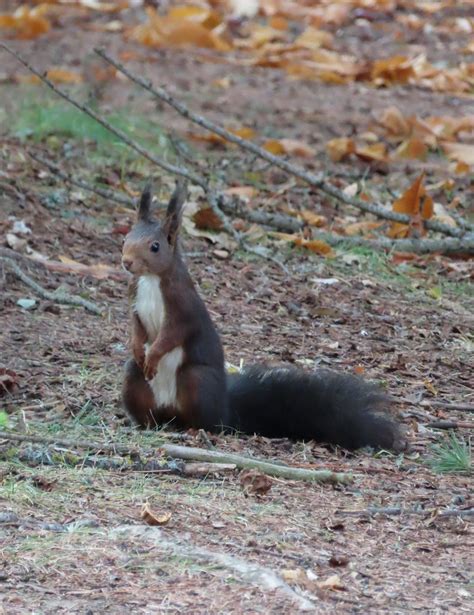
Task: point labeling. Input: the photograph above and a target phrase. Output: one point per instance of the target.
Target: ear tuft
(144, 206)
(174, 213)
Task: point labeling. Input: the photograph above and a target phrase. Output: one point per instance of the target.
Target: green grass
(39, 116)
(452, 456)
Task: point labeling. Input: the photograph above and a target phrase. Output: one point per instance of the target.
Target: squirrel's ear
(144, 205)
(174, 213)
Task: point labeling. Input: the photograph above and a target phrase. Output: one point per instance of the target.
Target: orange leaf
(397, 69)
(313, 219)
(361, 228)
(314, 245)
(152, 518)
(274, 146)
(394, 122)
(312, 38)
(244, 133)
(415, 203)
(338, 149)
(412, 148)
(376, 151)
(27, 23)
(59, 75)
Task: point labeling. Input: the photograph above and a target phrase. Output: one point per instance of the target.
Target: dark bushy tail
(325, 406)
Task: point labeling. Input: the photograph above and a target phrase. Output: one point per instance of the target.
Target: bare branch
(181, 171)
(57, 296)
(318, 181)
(398, 510)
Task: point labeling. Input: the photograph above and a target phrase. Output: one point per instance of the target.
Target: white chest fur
(150, 307)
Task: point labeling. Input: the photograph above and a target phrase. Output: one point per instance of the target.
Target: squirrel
(178, 374)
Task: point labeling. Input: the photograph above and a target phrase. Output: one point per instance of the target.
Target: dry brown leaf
(292, 147)
(332, 582)
(61, 75)
(205, 218)
(314, 245)
(375, 151)
(26, 22)
(244, 192)
(461, 152)
(412, 148)
(393, 120)
(255, 483)
(152, 518)
(312, 38)
(362, 228)
(8, 380)
(397, 69)
(340, 148)
(415, 203)
(313, 219)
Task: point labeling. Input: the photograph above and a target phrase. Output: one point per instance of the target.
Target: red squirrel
(177, 371)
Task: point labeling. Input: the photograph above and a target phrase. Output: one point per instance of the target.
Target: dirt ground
(71, 536)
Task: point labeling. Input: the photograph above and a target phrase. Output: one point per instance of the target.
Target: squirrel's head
(150, 247)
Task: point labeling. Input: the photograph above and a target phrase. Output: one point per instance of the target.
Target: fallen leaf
(332, 582)
(393, 120)
(60, 75)
(26, 22)
(152, 518)
(415, 203)
(313, 219)
(376, 151)
(461, 152)
(412, 148)
(312, 38)
(362, 228)
(244, 192)
(255, 483)
(314, 245)
(397, 69)
(292, 147)
(205, 218)
(340, 148)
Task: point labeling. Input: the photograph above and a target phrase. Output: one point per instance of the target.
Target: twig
(398, 510)
(58, 296)
(250, 572)
(181, 171)
(450, 425)
(448, 245)
(103, 192)
(192, 454)
(272, 469)
(438, 403)
(317, 181)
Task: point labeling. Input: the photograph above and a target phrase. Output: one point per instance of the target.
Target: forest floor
(72, 539)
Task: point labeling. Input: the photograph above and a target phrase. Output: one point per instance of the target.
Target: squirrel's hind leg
(137, 395)
(202, 398)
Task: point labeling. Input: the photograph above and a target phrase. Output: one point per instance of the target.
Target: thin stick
(103, 192)
(317, 181)
(272, 469)
(192, 454)
(398, 510)
(57, 296)
(438, 403)
(450, 425)
(181, 171)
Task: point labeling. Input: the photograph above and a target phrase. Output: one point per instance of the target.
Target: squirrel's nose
(127, 263)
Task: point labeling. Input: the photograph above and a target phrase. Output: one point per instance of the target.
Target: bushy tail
(325, 406)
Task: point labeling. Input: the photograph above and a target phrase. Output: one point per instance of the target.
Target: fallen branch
(103, 192)
(450, 425)
(180, 171)
(446, 405)
(317, 181)
(57, 296)
(272, 469)
(398, 510)
(191, 454)
(250, 572)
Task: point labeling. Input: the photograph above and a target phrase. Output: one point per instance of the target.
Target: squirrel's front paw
(150, 367)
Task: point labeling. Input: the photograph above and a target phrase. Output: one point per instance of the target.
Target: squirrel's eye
(155, 246)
